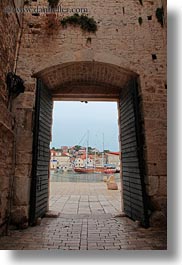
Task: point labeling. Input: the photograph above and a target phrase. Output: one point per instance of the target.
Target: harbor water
(76, 177)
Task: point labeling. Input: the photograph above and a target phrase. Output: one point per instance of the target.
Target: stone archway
(91, 80)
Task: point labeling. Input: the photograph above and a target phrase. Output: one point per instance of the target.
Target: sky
(72, 120)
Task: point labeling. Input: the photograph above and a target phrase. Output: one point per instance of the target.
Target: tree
(106, 151)
(77, 147)
(90, 149)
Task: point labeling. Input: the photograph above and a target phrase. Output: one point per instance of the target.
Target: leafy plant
(85, 23)
(160, 15)
(140, 20)
(53, 3)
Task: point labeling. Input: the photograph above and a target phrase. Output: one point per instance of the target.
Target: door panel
(132, 147)
(41, 153)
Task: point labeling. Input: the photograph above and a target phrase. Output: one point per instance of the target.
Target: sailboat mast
(103, 150)
(87, 150)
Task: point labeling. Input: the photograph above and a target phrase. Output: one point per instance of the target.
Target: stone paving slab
(87, 221)
(80, 198)
(86, 232)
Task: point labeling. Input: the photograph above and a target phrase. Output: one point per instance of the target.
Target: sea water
(76, 177)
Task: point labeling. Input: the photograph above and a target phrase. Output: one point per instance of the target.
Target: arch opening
(94, 81)
(85, 80)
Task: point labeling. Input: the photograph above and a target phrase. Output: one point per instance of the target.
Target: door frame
(140, 143)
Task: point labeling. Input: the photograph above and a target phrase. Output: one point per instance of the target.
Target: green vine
(160, 15)
(85, 23)
(53, 3)
(140, 20)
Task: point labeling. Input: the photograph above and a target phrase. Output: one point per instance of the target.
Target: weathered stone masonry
(9, 35)
(119, 41)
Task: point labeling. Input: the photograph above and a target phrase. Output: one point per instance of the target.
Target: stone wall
(120, 41)
(9, 32)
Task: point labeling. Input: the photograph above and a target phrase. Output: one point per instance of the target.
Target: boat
(110, 171)
(106, 169)
(84, 170)
(90, 170)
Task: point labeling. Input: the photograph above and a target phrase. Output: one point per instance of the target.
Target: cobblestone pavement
(80, 229)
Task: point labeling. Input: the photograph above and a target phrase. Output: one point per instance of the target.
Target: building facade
(113, 159)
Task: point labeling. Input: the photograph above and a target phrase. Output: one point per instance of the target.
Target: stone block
(112, 186)
(4, 203)
(152, 185)
(158, 203)
(155, 110)
(19, 215)
(157, 167)
(24, 118)
(111, 179)
(158, 219)
(28, 123)
(36, 31)
(6, 116)
(23, 170)
(25, 100)
(24, 140)
(30, 87)
(162, 191)
(24, 158)
(4, 182)
(52, 214)
(21, 191)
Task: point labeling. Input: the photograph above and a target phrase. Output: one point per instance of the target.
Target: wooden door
(41, 153)
(132, 147)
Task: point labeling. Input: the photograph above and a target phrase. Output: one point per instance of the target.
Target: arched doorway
(94, 81)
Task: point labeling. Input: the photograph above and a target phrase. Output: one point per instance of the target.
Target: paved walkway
(87, 221)
(84, 198)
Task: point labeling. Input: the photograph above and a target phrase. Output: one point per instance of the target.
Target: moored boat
(95, 170)
(89, 170)
(109, 171)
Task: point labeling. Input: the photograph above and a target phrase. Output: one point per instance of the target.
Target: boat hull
(94, 170)
(88, 170)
